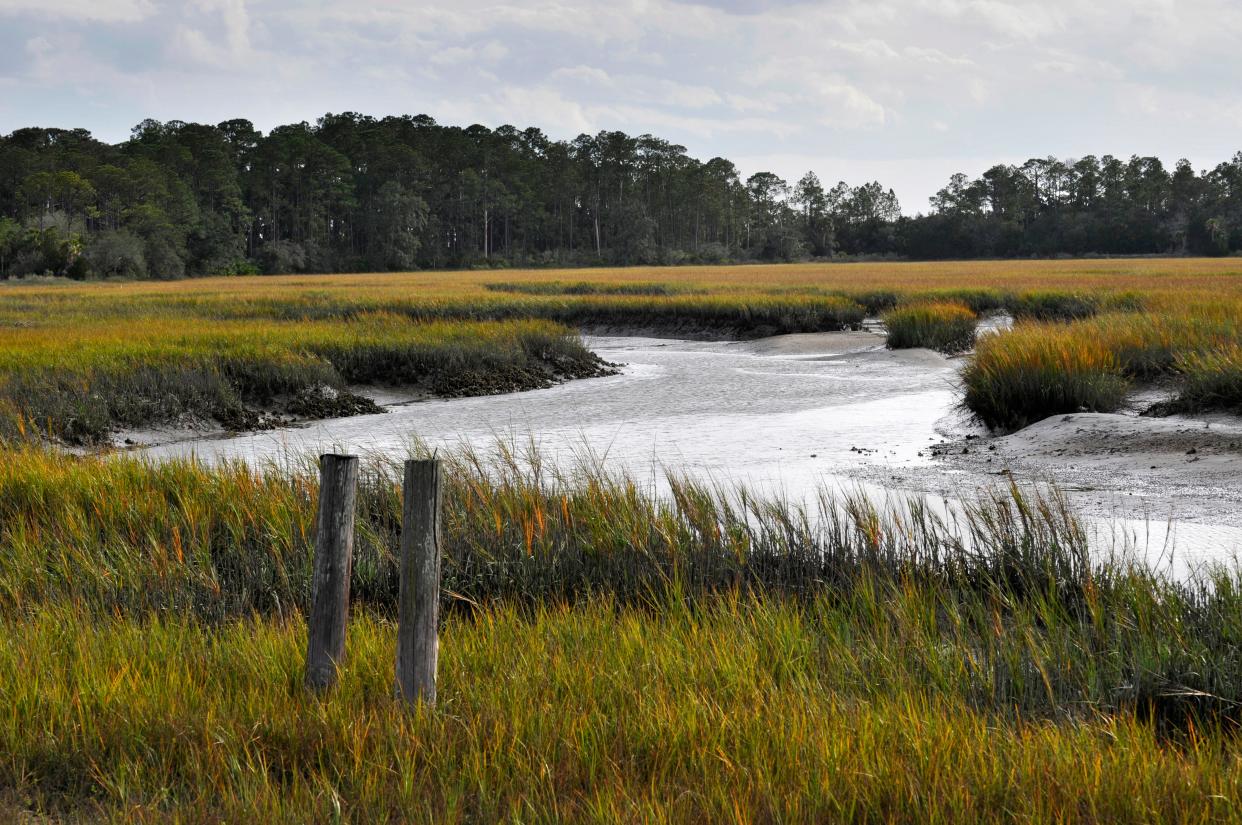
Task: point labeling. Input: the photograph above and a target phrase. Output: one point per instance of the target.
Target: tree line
(355, 193)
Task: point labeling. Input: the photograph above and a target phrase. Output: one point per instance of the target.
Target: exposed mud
(1188, 466)
(324, 402)
(307, 405)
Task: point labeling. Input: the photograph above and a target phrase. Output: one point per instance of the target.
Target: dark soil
(553, 370)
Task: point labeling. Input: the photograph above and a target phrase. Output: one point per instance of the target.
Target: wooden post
(418, 606)
(334, 552)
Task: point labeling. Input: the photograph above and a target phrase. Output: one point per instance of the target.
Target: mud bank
(1188, 466)
(324, 402)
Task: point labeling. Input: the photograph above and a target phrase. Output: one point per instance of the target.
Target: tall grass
(585, 288)
(886, 705)
(1036, 370)
(1212, 380)
(606, 654)
(120, 537)
(222, 542)
(79, 383)
(1149, 314)
(947, 327)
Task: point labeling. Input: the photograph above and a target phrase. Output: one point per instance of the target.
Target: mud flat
(1191, 466)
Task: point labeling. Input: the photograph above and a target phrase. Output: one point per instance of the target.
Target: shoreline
(1123, 465)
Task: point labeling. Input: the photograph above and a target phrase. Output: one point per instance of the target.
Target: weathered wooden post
(418, 606)
(334, 553)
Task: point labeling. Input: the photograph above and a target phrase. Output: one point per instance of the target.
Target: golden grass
(1036, 370)
(944, 326)
(599, 660)
(739, 712)
(1213, 378)
(1171, 276)
(1158, 310)
(79, 379)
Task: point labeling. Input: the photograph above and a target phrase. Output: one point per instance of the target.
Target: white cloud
(101, 11)
(484, 53)
(877, 83)
(544, 107)
(687, 96)
(589, 75)
(231, 52)
(1023, 20)
(38, 47)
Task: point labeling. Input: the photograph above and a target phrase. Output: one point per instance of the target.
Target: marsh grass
(946, 327)
(226, 541)
(587, 288)
(606, 654)
(75, 366)
(1036, 370)
(124, 538)
(1211, 379)
(869, 708)
(1052, 305)
(79, 383)
(979, 300)
(1151, 316)
(1041, 369)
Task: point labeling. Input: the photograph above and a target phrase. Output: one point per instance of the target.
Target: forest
(352, 193)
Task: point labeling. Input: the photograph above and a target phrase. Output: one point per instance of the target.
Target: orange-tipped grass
(1211, 380)
(1033, 371)
(942, 326)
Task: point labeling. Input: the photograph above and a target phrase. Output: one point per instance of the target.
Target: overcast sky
(903, 92)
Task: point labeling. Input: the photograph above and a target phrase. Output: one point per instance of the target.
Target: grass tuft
(1052, 305)
(1211, 380)
(946, 327)
(1036, 370)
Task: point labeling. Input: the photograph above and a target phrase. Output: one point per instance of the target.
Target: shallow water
(741, 411)
(784, 415)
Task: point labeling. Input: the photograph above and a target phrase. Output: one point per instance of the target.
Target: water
(785, 415)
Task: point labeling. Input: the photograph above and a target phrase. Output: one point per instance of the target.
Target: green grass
(946, 327)
(1035, 370)
(122, 537)
(605, 654)
(131, 537)
(585, 288)
(78, 384)
(128, 355)
(1041, 369)
(1052, 305)
(1211, 380)
(979, 300)
(857, 709)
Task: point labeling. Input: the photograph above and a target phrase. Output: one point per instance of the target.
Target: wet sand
(1188, 466)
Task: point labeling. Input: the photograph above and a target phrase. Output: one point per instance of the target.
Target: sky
(906, 93)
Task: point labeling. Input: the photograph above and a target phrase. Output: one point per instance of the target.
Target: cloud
(881, 84)
(486, 53)
(514, 105)
(587, 75)
(226, 48)
(100, 11)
